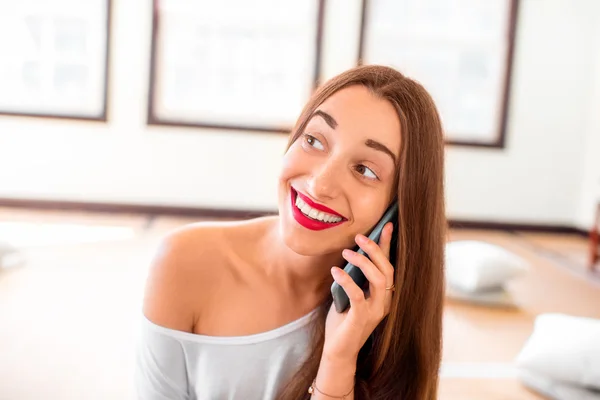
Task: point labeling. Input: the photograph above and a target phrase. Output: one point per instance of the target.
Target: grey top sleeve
(161, 372)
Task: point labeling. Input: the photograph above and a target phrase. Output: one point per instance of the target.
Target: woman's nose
(325, 181)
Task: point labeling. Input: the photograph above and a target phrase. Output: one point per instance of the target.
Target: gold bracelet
(313, 388)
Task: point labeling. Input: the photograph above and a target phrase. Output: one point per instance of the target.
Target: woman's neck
(301, 276)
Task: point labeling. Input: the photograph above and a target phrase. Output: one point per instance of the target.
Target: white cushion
(10, 256)
(564, 348)
(490, 298)
(555, 390)
(474, 266)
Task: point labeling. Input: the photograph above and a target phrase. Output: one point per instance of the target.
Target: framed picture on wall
(54, 59)
(459, 50)
(233, 64)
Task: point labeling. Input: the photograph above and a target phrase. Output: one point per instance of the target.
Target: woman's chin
(300, 240)
(305, 242)
(300, 244)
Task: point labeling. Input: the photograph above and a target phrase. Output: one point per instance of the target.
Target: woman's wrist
(340, 357)
(335, 377)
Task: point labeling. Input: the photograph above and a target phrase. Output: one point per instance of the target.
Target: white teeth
(314, 213)
(305, 208)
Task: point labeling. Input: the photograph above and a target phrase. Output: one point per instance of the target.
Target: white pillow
(490, 298)
(555, 390)
(564, 348)
(473, 266)
(10, 256)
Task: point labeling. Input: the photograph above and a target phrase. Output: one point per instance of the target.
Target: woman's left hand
(346, 333)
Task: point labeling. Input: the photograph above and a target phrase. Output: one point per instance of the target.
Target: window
(54, 58)
(233, 64)
(460, 50)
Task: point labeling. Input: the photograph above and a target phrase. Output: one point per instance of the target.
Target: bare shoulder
(182, 272)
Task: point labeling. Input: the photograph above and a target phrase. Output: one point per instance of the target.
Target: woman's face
(338, 176)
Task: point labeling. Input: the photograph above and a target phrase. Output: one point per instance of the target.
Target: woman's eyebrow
(369, 142)
(328, 118)
(381, 147)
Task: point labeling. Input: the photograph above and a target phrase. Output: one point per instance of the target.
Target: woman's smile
(312, 215)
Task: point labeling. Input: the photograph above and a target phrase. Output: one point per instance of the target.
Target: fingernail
(361, 239)
(335, 272)
(346, 253)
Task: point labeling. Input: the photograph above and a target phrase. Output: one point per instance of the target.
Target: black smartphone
(340, 298)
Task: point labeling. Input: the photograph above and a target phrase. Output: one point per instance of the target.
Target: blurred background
(121, 120)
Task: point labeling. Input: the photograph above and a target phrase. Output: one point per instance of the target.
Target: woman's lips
(316, 206)
(308, 222)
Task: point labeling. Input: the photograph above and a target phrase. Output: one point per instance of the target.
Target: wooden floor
(69, 317)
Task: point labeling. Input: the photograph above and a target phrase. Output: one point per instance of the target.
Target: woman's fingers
(354, 292)
(377, 280)
(376, 267)
(386, 239)
(379, 253)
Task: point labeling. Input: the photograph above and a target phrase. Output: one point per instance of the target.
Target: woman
(243, 310)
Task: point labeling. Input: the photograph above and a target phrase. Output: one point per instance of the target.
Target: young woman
(243, 310)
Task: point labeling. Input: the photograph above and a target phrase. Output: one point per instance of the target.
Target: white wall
(590, 185)
(537, 178)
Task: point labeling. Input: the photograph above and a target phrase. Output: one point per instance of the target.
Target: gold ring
(392, 288)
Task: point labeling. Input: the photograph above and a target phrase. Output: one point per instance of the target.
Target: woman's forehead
(360, 114)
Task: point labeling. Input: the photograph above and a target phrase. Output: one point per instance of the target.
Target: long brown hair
(401, 360)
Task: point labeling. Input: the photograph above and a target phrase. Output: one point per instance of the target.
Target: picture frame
(461, 51)
(232, 65)
(55, 60)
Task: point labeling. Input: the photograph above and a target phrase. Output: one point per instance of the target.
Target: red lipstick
(308, 222)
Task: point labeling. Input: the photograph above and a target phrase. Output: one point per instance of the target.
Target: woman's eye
(314, 142)
(367, 172)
